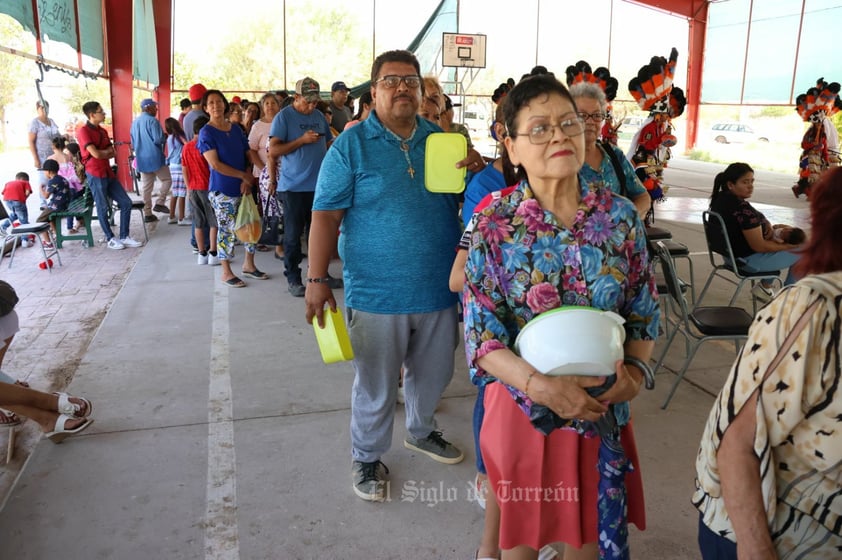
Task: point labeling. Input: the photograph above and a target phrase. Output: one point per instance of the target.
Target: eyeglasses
(100, 112)
(543, 133)
(595, 117)
(392, 81)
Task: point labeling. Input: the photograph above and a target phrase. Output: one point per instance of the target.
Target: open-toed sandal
(73, 409)
(8, 419)
(60, 433)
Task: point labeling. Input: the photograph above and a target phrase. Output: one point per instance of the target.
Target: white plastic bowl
(573, 341)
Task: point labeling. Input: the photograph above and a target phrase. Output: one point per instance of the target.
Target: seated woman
(769, 468)
(751, 235)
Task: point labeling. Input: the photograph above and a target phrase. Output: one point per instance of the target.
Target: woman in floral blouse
(553, 241)
(769, 471)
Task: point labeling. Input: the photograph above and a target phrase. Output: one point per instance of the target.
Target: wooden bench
(81, 208)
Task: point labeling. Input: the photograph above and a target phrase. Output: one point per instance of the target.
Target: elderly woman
(751, 235)
(604, 162)
(42, 130)
(224, 146)
(555, 240)
(769, 468)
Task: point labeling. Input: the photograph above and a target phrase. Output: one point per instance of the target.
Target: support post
(118, 48)
(695, 63)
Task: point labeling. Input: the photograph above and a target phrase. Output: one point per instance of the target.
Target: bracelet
(528, 379)
(322, 280)
(648, 374)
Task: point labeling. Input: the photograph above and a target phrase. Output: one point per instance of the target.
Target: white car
(735, 132)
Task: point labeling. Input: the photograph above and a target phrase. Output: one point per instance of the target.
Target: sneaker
(115, 244)
(150, 218)
(762, 294)
(297, 290)
(129, 242)
(172, 221)
(161, 208)
(335, 283)
(203, 259)
(213, 260)
(369, 480)
(185, 222)
(435, 447)
(401, 395)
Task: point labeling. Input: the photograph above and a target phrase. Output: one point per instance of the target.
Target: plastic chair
(699, 325)
(716, 236)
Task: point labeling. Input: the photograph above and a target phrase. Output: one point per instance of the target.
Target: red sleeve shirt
(17, 190)
(196, 166)
(98, 136)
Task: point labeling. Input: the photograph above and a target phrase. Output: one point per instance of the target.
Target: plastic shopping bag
(247, 225)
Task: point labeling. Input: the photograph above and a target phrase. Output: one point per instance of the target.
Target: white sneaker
(115, 244)
(185, 222)
(129, 242)
(213, 260)
(203, 259)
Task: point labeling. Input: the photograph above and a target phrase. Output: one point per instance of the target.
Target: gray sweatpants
(424, 344)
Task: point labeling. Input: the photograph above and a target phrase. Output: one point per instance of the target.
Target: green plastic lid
(443, 151)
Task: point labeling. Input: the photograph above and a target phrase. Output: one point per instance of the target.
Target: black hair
(521, 95)
(214, 92)
(74, 149)
(22, 176)
(199, 123)
(731, 174)
(393, 56)
(173, 127)
(365, 99)
(184, 103)
(59, 142)
(90, 108)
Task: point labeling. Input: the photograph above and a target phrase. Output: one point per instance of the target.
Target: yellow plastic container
(443, 151)
(333, 340)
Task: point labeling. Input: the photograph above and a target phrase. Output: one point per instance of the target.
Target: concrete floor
(219, 432)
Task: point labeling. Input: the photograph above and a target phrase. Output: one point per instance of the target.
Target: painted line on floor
(222, 539)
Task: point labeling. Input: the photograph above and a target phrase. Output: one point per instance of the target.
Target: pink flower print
(542, 297)
(533, 215)
(494, 228)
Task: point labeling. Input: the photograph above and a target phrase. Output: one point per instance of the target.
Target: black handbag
(272, 230)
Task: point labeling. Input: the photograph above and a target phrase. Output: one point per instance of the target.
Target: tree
(13, 69)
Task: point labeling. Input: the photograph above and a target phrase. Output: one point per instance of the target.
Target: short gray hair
(590, 91)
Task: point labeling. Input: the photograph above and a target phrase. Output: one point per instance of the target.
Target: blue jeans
(102, 188)
(17, 211)
(759, 262)
(298, 209)
(479, 414)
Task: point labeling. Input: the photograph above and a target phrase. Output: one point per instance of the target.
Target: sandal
(60, 433)
(72, 409)
(256, 274)
(8, 419)
(73, 231)
(235, 282)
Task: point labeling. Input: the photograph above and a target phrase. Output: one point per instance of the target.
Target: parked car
(735, 132)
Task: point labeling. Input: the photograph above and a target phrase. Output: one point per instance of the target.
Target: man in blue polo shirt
(148, 140)
(299, 135)
(396, 242)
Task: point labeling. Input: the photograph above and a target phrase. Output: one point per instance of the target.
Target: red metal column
(163, 41)
(695, 63)
(118, 48)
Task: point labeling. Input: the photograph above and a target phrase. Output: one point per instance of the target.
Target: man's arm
(324, 230)
(279, 148)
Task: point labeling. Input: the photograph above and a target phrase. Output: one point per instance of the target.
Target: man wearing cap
(196, 93)
(148, 140)
(341, 112)
(299, 135)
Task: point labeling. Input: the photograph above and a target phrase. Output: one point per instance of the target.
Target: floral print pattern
(523, 262)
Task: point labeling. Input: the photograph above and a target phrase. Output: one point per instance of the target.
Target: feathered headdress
(581, 73)
(677, 102)
(652, 85)
(822, 97)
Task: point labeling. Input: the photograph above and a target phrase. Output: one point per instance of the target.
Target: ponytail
(731, 174)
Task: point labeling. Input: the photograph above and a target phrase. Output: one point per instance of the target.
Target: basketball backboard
(462, 51)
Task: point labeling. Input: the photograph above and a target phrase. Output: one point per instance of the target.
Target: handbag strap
(271, 200)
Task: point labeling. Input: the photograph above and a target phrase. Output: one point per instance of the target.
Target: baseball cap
(50, 165)
(236, 99)
(196, 92)
(146, 103)
(338, 86)
(308, 88)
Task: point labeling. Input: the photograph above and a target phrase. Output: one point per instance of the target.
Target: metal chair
(696, 326)
(717, 240)
(19, 232)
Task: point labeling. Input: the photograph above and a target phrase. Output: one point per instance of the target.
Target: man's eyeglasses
(543, 132)
(392, 81)
(595, 117)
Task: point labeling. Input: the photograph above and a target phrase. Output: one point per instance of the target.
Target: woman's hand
(627, 385)
(566, 396)
(247, 184)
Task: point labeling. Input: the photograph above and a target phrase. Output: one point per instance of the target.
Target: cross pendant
(411, 172)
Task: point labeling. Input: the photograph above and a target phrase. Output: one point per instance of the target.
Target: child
(57, 195)
(175, 145)
(15, 194)
(67, 169)
(788, 234)
(197, 175)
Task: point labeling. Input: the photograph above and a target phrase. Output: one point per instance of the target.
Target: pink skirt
(547, 485)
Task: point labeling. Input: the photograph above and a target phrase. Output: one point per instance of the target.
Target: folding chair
(717, 240)
(699, 325)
